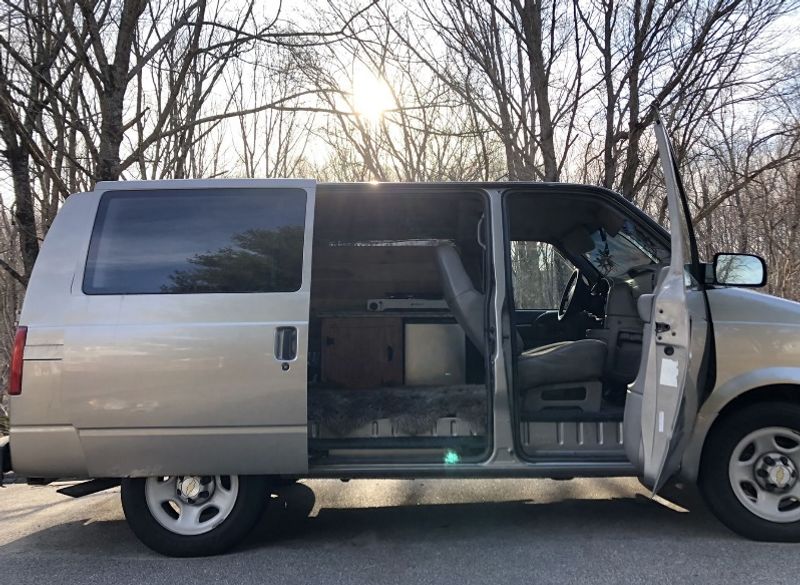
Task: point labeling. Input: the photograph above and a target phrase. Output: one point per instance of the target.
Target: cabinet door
(362, 352)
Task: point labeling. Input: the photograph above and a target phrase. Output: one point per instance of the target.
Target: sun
(372, 97)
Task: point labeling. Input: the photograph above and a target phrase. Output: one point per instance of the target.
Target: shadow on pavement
(286, 523)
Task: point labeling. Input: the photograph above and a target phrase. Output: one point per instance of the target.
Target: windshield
(615, 255)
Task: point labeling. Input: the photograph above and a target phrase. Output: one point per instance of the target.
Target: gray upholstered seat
(540, 371)
(464, 300)
(559, 363)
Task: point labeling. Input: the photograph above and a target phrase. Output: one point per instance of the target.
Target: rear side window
(197, 241)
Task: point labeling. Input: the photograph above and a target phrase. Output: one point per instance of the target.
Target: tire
(738, 470)
(237, 517)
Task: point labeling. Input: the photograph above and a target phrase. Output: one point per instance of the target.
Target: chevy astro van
(199, 341)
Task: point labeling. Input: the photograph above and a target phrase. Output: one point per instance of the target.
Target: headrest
(454, 276)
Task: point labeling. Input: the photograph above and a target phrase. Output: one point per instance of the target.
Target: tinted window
(197, 241)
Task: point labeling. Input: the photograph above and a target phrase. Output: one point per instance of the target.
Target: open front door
(663, 400)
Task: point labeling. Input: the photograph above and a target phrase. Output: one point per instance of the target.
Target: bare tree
(683, 57)
(31, 41)
(415, 128)
(517, 64)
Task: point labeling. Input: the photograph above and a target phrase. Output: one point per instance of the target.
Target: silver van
(199, 341)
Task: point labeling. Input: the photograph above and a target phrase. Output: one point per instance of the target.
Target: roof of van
(343, 188)
(305, 183)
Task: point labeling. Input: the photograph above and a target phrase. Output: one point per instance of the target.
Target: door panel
(666, 388)
(194, 382)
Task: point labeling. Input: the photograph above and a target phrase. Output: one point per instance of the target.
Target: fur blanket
(413, 410)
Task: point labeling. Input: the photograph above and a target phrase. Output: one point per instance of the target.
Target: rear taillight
(15, 371)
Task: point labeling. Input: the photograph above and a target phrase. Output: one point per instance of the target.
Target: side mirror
(739, 270)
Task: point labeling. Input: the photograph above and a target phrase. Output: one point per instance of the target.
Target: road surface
(410, 532)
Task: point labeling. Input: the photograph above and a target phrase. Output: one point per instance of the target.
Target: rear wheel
(750, 472)
(191, 515)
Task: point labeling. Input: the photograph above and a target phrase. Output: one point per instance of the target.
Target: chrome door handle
(285, 343)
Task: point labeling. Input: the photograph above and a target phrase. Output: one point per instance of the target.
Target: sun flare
(372, 97)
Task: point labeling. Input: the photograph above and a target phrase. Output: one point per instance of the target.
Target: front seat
(565, 374)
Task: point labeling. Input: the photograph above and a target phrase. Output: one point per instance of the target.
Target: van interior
(578, 266)
(391, 372)
(398, 352)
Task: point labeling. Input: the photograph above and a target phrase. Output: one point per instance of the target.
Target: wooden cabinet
(362, 352)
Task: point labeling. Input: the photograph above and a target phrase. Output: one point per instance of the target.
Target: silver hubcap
(191, 504)
(763, 471)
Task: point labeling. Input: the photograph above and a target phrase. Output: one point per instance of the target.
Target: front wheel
(186, 516)
(749, 473)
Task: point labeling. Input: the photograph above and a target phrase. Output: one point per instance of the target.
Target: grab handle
(285, 343)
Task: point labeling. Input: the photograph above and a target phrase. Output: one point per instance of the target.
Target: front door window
(540, 274)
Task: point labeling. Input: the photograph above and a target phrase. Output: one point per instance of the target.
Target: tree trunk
(112, 98)
(111, 133)
(632, 160)
(24, 214)
(532, 22)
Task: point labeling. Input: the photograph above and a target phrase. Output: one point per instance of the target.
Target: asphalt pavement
(410, 532)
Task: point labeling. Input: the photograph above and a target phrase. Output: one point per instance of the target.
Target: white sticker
(669, 373)
(660, 421)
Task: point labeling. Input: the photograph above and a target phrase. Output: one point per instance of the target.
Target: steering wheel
(576, 289)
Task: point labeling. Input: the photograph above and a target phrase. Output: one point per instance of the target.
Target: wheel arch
(769, 385)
